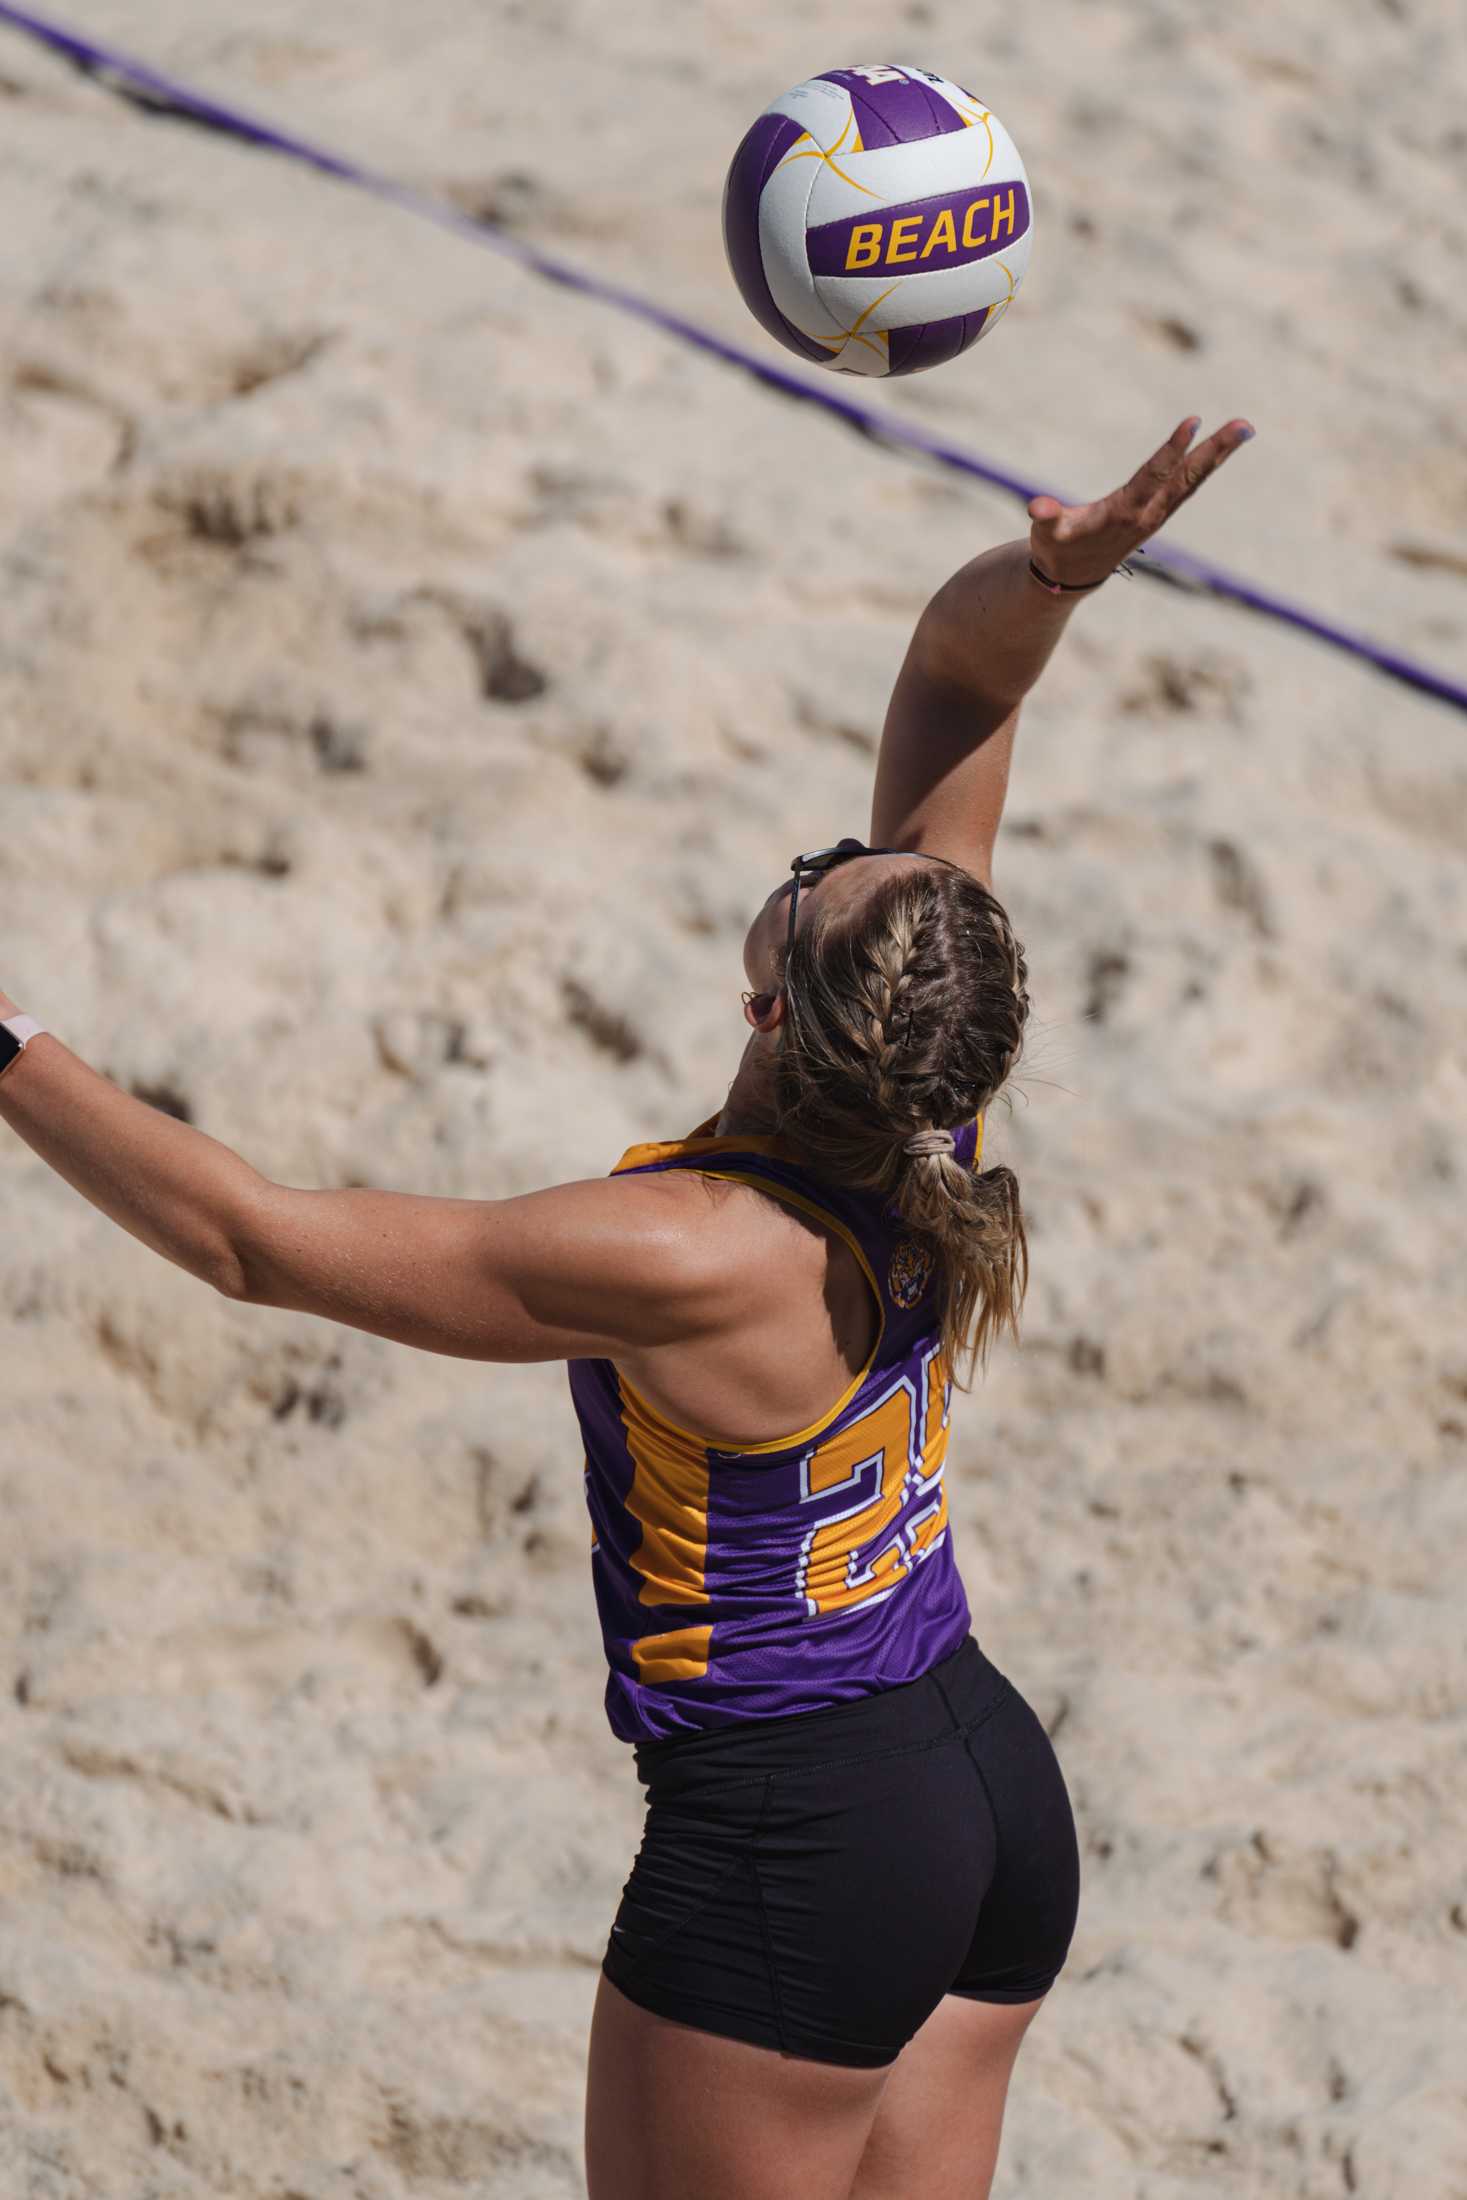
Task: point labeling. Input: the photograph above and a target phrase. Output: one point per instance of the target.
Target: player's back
(741, 1577)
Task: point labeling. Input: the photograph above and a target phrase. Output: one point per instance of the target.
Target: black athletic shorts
(817, 1883)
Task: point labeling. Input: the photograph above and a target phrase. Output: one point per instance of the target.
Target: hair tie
(930, 1142)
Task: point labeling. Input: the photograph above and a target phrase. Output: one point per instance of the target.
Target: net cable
(163, 97)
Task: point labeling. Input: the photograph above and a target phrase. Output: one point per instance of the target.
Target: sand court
(408, 671)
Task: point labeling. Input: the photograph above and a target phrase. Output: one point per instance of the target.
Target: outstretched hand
(1080, 543)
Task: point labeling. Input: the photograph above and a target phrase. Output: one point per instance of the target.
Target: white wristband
(23, 1028)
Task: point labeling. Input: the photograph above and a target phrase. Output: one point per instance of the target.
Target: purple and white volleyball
(877, 220)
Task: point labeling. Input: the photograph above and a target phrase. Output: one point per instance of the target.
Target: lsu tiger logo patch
(910, 1271)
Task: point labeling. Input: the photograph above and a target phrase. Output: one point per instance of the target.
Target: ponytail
(974, 1222)
(907, 1015)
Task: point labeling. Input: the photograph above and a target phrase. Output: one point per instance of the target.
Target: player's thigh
(673, 2112)
(940, 2118)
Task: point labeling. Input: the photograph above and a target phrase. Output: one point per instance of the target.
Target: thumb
(1045, 508)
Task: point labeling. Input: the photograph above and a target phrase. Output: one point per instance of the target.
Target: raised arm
(986, 636)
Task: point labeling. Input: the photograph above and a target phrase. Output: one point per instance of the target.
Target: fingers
(1176, 471)
(1162, 465)
(1117, 524)
(1221, 444)
(1172, 472)
(1195, 467)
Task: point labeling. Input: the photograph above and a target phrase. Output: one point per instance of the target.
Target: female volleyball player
(859, 1874)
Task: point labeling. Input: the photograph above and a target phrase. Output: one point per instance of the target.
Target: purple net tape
(135, 80)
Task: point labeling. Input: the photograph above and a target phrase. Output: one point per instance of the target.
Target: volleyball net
(164, 96)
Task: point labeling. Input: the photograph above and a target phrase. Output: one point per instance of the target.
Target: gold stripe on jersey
(701, 1142)
(669, 1495)
(681, 1655)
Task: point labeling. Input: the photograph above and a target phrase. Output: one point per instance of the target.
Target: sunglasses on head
(818, 861)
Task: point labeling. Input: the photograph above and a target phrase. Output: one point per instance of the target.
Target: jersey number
(880, 1489)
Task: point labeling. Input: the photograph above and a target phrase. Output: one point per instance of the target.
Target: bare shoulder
(708, 1233)
(729, 1253)
(655, 1234)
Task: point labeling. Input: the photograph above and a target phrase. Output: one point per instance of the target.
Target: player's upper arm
(583, 1270)
(943, 770)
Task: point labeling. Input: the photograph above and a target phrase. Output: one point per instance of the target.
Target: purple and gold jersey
(786, 1576)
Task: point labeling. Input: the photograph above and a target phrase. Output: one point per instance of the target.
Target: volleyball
(877, 220)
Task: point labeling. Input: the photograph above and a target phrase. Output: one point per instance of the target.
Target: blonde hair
(902, 1015)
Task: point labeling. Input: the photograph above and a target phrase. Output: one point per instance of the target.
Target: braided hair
(905, 1014)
